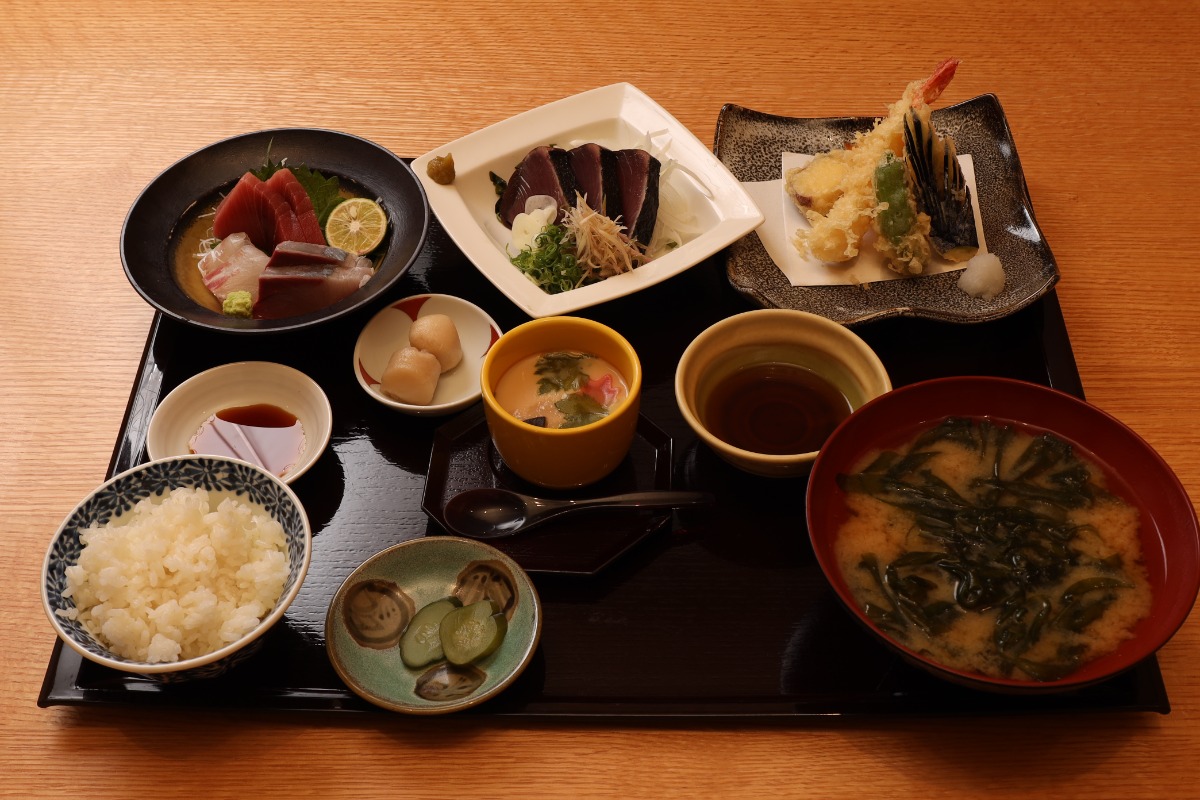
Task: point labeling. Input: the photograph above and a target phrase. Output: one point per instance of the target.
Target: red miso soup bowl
(1169, 538)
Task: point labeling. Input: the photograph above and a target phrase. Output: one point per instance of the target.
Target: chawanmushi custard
(561, 389)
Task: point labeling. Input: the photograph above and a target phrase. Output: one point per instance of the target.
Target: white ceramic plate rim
(612, 110)
(182, 404)
(459, 310)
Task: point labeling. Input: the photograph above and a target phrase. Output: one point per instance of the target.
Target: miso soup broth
(561, 389)
(994, 549)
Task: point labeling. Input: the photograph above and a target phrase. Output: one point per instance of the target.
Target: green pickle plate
(374, 608)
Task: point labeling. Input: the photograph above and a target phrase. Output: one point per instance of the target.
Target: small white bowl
(387, 332)
(242, 383)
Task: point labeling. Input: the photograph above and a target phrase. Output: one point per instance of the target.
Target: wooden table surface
(97, 98)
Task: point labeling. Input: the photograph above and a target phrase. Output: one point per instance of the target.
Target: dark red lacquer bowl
(1169, 533)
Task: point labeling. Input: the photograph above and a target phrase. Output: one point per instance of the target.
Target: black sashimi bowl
(155, 222)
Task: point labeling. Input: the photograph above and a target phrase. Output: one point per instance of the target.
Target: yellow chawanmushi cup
(562, 458)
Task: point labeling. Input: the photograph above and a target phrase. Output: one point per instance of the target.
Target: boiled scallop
(411, 376)
(436, 334)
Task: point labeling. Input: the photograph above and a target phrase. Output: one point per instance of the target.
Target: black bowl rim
(204, 318)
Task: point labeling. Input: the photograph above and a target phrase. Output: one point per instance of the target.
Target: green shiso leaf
(269, 167)
(323, 191)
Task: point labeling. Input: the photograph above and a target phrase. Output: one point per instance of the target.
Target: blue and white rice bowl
(153, 479)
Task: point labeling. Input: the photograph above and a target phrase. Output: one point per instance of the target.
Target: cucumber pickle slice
(421, 643)
(472, 632)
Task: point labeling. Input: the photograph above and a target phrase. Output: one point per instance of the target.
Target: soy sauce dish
(433, 625)
(1002, 535)
(269, 414)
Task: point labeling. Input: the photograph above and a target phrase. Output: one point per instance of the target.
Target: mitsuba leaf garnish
(580, 409)
(561, 372)
(498, 183)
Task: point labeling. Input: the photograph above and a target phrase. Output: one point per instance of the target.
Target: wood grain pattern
(97, 98)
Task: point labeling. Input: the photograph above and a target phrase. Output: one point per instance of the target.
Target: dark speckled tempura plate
(750, 142)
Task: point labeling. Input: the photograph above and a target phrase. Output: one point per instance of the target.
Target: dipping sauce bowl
(562, 458)
(764, 388)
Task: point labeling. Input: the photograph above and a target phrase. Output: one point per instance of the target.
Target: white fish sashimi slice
(233, 265)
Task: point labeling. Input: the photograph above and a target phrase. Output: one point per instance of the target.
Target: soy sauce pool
(775, 408)
(263, 434)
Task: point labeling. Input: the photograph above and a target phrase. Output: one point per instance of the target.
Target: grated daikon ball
(983, 277)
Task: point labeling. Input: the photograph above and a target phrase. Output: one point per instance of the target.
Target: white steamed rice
(175, 578)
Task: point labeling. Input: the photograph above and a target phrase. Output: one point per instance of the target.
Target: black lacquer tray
(724, 613)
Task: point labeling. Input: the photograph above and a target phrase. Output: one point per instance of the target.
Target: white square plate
(616, 116)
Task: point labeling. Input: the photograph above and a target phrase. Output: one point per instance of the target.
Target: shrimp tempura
(836, 190)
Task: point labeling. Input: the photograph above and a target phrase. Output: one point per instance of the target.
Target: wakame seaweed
(1005, 547)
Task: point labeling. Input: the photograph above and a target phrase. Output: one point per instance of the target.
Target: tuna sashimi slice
(259, 211)
(233, 265)
(285, 182)
(288, 291)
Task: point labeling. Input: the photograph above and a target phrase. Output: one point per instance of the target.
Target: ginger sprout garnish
(602, 248)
